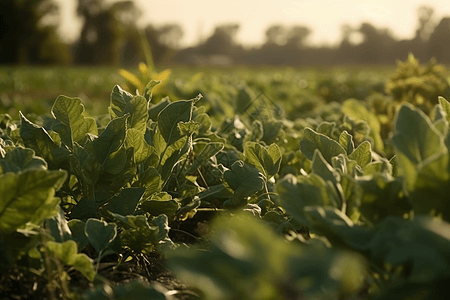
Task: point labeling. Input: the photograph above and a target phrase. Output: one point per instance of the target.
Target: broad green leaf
(356, 110)
(377, 167)
(126, 201)
(346, 141)
(246, 260)
(159, 143)
(119, 99)
(362, 155)
(38, 139)
(148, 89)
(266, 160)
(445, 106)
(155, 109)
(172, 155)
(326, 128)
(417, 143)
(296, 193)
(323, 169)
(67, 253)
(160, 203)
(73, 125)
(142, 150)
(338, 228)
(107, 147)
(78, 235)
(23, 195)
(271, 129)
(151, 180)
(21, 159)
(440, 120)
(100, 233)
(58, 227)
(210, 150)
(137, 109)
(313, 140)
(245, 180)
(84, 210)
(382, 197)
(421, 245)
(244, 100)
(116, 161)
(205, 123)
(171, 115)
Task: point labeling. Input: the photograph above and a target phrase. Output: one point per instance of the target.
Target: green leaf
(148, 89)
(100, 233)
(171, 115)
(28, 196)
(346, 141)
(119, 99)
(155, 109)
(362, 155)
(160, 203)
(78, 235)
(172, 156)
(107, 147)
(323, 169)
(67, 253)
(296, 193)
(356, 110)
(85, 209)
(136, 140)
(20, 159)
(138, 111)
(382, 197)
(58, 227)
(313, 140)
(73, 125)
(138, 234)
(418, 143)
(126, 201)
(244, 100)
(445, 106)
(205, 123)
(338, 228)
(246, 260)
(37, 138)
(151, 180)
(266, 160)
(245, 180)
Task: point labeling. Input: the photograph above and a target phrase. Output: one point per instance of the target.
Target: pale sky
(325, 17)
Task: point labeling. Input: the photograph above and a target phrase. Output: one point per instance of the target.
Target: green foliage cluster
(418, 84)
(305, 209)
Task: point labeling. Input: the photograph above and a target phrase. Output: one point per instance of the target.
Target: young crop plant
(168, 200)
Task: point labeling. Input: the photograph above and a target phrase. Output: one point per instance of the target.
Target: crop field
(225, 183)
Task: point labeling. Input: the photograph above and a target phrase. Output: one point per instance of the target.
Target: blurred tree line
(110, 36)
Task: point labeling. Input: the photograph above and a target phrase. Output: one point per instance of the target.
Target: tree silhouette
(28, 32)
(102, 35)
(439, 42)
(222, 41)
